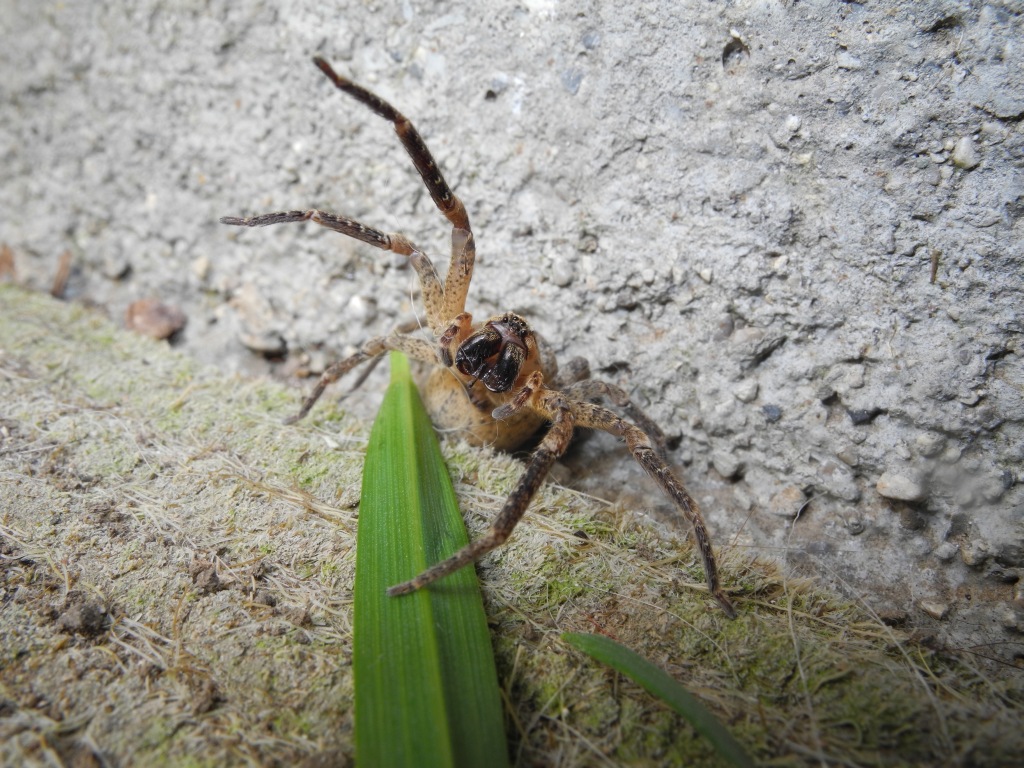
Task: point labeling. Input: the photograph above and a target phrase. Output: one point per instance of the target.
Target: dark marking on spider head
(495, 354)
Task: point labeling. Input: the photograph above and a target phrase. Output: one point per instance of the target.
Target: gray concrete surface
(791, 229)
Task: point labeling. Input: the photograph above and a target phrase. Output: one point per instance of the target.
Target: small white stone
(934, 608)
(951, 455)
(201, 267)
(746, 390)
(316, 361)
(992, 490)
(970, 397)
(946, 551)
(116, 267)
(726, 464)
(929, 444)
(788, 502)
(846, 60)
(267, 343)
(562, 274)
(965, 155)
(362, 308)
(899, 486)
(837, 479)
(793, 123)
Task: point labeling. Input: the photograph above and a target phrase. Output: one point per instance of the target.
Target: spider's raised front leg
(443, 302)
(460, 268)
(430, 285)
(565, 413)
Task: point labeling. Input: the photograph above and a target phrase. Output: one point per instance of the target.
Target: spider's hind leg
(573, 378)
(595, 390)
(643, 447)
(562, 375)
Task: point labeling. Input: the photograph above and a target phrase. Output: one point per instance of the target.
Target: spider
(494, 382)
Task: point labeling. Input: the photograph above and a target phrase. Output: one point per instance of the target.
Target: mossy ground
(218, 548)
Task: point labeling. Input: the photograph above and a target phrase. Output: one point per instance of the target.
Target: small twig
(60, 280)
(7, 270)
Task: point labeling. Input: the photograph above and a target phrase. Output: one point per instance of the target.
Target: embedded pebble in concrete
(946, 551)
(267, 343)
(929, 444)
(362, 309)
(1012, 617)
(836, 479)
(901, 486)
(117, 266)
(846, 60)
(965, 155)
(934, 608)
(726, 464)
(745, 391)
(787, 502)
(154, 318)
(975, 553)
(562, 273)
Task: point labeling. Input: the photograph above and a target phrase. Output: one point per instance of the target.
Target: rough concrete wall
(790, 229)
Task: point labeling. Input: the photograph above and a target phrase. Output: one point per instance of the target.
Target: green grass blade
(426, 688)
(662, 686)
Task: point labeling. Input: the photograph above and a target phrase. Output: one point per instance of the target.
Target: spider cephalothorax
(522, 387)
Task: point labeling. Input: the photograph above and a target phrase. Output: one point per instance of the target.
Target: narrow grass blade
(426, 688)
(660, 685)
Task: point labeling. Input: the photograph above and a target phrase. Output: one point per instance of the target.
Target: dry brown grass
(176, 587)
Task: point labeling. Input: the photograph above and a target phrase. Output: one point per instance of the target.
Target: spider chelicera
(494, 383)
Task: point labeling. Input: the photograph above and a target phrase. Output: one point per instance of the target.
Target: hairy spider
(494, 382)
